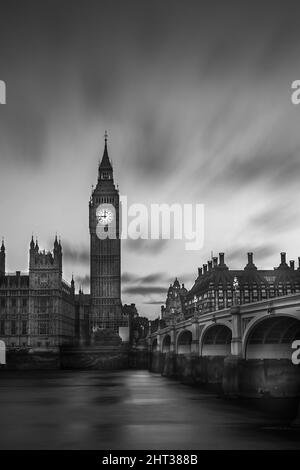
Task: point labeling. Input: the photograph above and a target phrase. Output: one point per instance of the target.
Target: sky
(196, 99)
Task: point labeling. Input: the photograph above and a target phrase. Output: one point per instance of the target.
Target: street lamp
(235, 292)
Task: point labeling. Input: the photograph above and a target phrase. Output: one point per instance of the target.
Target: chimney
(199, 272)
(209, 264)
(215, 261)
(283, 257)
(204, 268)
(250, 258)
(221, 257)
(292, 264)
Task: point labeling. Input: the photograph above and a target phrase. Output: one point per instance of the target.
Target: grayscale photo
(149, 229)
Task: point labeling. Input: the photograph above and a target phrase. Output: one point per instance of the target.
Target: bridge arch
(271, 337)
(2, 353)
(184, 342)
(166, 344)
(215, 340)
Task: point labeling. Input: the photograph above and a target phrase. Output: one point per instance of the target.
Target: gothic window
(43, 305)
(24, 328)
(43, 324)
(2, 327)
(13, 327)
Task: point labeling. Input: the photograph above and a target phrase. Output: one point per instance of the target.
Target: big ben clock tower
(105, 250)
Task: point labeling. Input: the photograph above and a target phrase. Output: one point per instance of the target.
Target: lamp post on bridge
(195, 330)
(236, 341)
(235, 290)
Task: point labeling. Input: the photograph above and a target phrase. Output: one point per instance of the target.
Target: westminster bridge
(246, 349)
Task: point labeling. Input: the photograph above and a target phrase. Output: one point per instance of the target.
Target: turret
(31, 245)
(2, 259)
(55, 246)
(73, 285)
(57, 252)
(32, 252)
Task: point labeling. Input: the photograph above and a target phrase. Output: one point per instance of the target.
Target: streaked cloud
(196, 99)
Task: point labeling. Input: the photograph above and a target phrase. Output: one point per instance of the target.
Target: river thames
(128, 410)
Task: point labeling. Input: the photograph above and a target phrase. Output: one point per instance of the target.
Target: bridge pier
(232, 375)
(296, 422)
(245, 351)
(236, 340)
(195, 338)
(169, 369)
(257, 378)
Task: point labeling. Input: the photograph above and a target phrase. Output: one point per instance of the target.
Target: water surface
(128, 410)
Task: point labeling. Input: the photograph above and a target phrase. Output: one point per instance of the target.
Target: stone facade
(218, 287)
(37, 310)
(174, 302)
(214, 287)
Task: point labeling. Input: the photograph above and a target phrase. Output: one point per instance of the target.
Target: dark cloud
(154, 277)
(145, 286)
(274, 218)
(190, 92)
(279, 168)
(153, 247)
(144, 290)
(75, 254)
(239, 253)
(155, 145)
(23, 127)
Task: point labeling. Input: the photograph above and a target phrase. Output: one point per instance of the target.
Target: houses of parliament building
(39, 310)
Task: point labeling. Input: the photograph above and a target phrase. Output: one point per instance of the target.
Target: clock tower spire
(105, 167)
(105, 249)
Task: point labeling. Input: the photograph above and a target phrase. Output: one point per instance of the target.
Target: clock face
(105, 216)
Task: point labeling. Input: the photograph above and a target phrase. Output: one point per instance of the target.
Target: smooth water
(128, 410)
